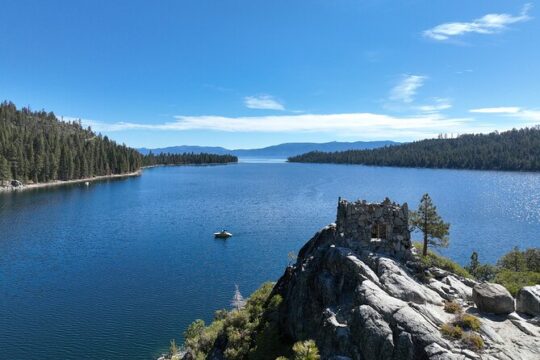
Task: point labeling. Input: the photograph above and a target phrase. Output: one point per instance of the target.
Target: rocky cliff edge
(360, 304)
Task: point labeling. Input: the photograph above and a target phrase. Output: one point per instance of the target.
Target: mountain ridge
(279, 150)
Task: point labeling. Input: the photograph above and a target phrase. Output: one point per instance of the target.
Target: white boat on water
(223, 234)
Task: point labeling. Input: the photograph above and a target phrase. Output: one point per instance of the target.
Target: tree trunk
(424, 250)
(425, 230)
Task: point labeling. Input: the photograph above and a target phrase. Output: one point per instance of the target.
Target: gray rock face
(493, 298)
(362, 305)
(528, 300)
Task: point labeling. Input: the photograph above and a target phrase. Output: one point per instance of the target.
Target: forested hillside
(186, 158)
(517, 150)
(36, 147)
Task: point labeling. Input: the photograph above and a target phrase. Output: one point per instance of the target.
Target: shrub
(173, 348)
(434, 260)
(474, 341)
(250, 332)
(468, 321)
(515, 280)
(532, 258)
(485, 272)
(514, 261)
(306, 350)
(192, 335)
(452, 307)
(452, 331)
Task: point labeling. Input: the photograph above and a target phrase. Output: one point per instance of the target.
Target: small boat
(87, 183)
(223, 234)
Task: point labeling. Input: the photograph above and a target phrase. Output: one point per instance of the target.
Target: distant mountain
(275, 151)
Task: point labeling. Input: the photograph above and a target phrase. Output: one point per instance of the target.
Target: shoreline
(8, 189)
(202, 164)
(417, 167)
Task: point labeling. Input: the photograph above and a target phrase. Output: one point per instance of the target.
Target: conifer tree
(427, 220)
(5, 171)
(38, 147)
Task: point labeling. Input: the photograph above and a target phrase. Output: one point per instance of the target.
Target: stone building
(379, 227)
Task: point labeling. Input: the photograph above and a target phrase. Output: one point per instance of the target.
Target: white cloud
(513, 111)
(487, 24)
(497, 110)
(438, 104)
(364, 125)
(406, 89)
(265, 102)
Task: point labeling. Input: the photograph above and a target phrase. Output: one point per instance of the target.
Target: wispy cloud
(439, 104)
(531, 115)
(365, 125)
(487, 24)
(407, 87)
(497, 110)
(265, 102)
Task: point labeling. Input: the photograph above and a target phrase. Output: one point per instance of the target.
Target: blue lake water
(117, 269)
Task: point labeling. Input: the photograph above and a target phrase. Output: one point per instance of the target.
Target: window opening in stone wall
(378, 232)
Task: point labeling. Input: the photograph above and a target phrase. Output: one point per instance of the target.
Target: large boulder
(493, 298)
(528, 300)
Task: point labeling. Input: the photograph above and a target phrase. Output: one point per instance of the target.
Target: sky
(247, 74)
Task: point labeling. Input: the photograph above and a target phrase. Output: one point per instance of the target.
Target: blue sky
(253, 73)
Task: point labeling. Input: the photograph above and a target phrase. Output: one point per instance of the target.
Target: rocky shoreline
(358, 304)
(11, 188)
(360, 290)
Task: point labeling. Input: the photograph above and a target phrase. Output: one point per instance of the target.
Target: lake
(117, 269)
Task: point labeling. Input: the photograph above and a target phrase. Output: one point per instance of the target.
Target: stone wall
(379, 227)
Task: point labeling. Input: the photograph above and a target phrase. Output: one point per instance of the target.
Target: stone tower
(378, 227)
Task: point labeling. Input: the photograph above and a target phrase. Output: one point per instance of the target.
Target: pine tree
(5, 171)
(427, 220)
(473, 266)
(40, 148)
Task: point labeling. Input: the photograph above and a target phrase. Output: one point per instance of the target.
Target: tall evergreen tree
(427, 220)
(5, 171)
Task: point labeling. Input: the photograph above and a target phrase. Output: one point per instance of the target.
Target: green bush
(474, 341)
(452, 307)
(434, 260)
(451, 331)
(251, 332)
(532, 259)
(485, 272)
(514, 261)
(306, 350)
(514, 280)
(514, 270)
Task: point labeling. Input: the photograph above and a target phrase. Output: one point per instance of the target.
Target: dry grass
(468, 321)
(452, 331)
(474, 341)
(452, 307)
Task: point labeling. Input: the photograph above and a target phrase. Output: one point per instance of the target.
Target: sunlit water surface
(117, 269)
